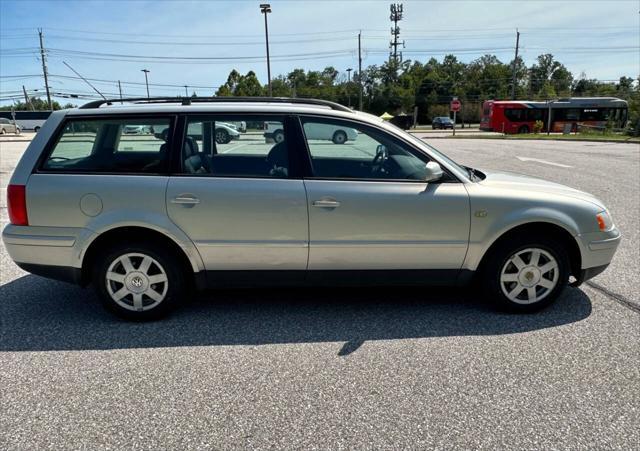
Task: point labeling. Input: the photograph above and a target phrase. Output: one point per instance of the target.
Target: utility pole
(44, 69)
(348, 86)
(265, 8)
(515, 60)
(120, 91)
(360, 71)
(186, 90)
(146, 79)
(26, 98)
(395, 17)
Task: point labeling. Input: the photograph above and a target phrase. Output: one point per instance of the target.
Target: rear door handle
(326, 203)
(185, 199)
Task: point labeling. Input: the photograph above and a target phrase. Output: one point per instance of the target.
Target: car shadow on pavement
(37, 314)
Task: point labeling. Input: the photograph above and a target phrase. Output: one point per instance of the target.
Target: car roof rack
(190, 100)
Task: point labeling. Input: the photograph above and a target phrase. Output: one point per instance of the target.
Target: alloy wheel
(136, 282)
(529, 275)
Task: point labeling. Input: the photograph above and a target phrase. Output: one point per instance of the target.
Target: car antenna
(84, 79)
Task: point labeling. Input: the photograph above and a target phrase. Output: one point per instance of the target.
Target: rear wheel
(138, 281)
(524, 129)
(37, 129)
(2, 132)
(222, 136)
(526, 274)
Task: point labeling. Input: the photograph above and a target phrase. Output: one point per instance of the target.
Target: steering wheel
(379, 161)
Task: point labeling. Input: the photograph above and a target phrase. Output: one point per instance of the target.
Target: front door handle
(185, 199)
(326, 203)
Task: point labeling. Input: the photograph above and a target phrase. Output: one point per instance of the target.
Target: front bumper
(597, 250)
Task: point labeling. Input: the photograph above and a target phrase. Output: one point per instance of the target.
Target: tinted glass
(346, 150)
(111, 145)
(235, 146)
(514, 114)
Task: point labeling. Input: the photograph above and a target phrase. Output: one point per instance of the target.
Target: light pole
(348, 85)
(146, 79)
(265, 8)
(549, 102)
(186, 92)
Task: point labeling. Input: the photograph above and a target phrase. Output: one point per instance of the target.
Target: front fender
(485, 231)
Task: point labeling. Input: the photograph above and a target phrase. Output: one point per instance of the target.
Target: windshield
(420, 143)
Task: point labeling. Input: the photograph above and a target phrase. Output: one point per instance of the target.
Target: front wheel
(37, 129)
(526, 274)
(138, 281)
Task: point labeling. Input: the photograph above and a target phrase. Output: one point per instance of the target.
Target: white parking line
(233, 148)
(543, 162)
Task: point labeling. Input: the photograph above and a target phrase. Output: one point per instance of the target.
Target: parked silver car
(146, 217)
(8, 126)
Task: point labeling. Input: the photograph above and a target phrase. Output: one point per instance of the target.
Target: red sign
(455, 105)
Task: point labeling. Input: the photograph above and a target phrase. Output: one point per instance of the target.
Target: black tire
(339, 137)
(523, 130)
(278, 136)
(2, 132)
(492, 270)
(222, 136)
(37, 129)
(168, 262)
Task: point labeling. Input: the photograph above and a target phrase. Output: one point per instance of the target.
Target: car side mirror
(433, 172)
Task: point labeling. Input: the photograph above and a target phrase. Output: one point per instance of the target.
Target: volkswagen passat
(145, 217)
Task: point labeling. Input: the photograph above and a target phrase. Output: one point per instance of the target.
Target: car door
(236, 200)
(363, 216)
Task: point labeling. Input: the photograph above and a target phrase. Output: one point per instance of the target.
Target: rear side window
(235, 146)
(112, 146)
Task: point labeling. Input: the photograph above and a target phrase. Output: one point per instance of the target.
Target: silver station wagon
(146, 216)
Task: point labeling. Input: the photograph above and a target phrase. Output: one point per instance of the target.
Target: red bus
(518, 116)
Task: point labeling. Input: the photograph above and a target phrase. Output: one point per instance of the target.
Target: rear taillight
(17, 205)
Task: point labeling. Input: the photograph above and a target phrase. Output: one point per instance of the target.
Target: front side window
(235, 146)
(111, 145)
(345, 150)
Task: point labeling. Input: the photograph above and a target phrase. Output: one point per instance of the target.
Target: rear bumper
(63, 273)
(34, 246)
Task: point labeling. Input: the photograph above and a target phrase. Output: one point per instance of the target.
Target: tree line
(398, 87)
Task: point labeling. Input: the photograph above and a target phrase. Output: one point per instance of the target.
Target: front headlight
(605, 223)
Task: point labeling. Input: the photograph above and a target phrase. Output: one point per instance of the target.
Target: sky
(197, 43)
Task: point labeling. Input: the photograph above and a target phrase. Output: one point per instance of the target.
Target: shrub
(538, 126)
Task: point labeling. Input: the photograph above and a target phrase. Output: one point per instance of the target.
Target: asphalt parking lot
(339, 368)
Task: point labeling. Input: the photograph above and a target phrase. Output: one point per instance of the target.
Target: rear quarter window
(112, 145)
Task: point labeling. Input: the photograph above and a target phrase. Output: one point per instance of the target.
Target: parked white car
(321, 132)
